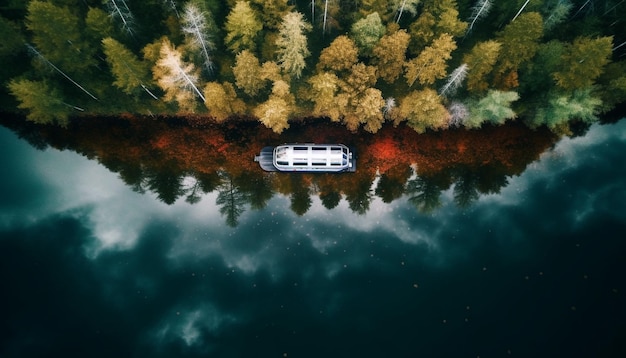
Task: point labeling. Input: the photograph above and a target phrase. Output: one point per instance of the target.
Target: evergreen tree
(431, 63)
(131, 74)
(242, 27)
(583, 61)
(367, 32)
(480, 61)
(246, 71)
(43, 102)
(58, 36)
(563, 108)
(494, 108)
(519, 42)
(292, 43)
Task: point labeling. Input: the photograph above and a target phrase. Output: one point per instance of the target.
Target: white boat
(307, 158)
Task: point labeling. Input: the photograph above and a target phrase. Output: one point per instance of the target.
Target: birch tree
(480, 10)
(292, 44)
(119, 10)
(455, 79)
(178, 79)
(323, 89)
(198, 26)
(403, 6)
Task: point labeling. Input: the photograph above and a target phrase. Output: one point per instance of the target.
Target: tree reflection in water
(175, 159)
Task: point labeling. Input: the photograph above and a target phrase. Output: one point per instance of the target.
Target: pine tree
(292, 43)
(242, 27)
(246, 71)
(367, 32)
(43, 102)
(480, 61)
(431, 63)
(131, 74)
(494, 108)
(564, 108)
(583, 61)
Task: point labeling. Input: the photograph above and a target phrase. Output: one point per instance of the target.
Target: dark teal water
(91, 268)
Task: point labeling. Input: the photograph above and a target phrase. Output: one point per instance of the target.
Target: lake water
(94, 265)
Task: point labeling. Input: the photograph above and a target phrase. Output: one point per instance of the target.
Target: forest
(429, 64)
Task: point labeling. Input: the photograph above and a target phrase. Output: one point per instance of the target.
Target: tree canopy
(428, 63)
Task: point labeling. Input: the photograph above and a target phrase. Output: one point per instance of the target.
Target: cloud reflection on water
(174, 279)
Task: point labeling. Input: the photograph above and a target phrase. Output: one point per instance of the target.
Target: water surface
(92, 267)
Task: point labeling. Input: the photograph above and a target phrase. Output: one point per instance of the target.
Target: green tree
(12, 41)
(292, 43)
(564, 108)
(246, 71)
(242, 27)
(390, 54)
(494, 108)
(222, 101)
(323, 89)
(437, 17)
(369, 109)
(98, 24)
(272, 12)
(56, 32)
(583, 61)
(131, 74)
(43, 102)
(424, 110)
(274, 113)
(431, 63)
(480, 61)
(520, 41)
(340, 55)
(367, 32)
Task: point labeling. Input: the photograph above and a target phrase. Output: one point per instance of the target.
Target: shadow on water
(177, 159)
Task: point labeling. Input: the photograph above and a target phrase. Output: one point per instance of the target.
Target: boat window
(300, 148)
(319, 163)
(300, 163)
(282, 162)
(319, 149)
